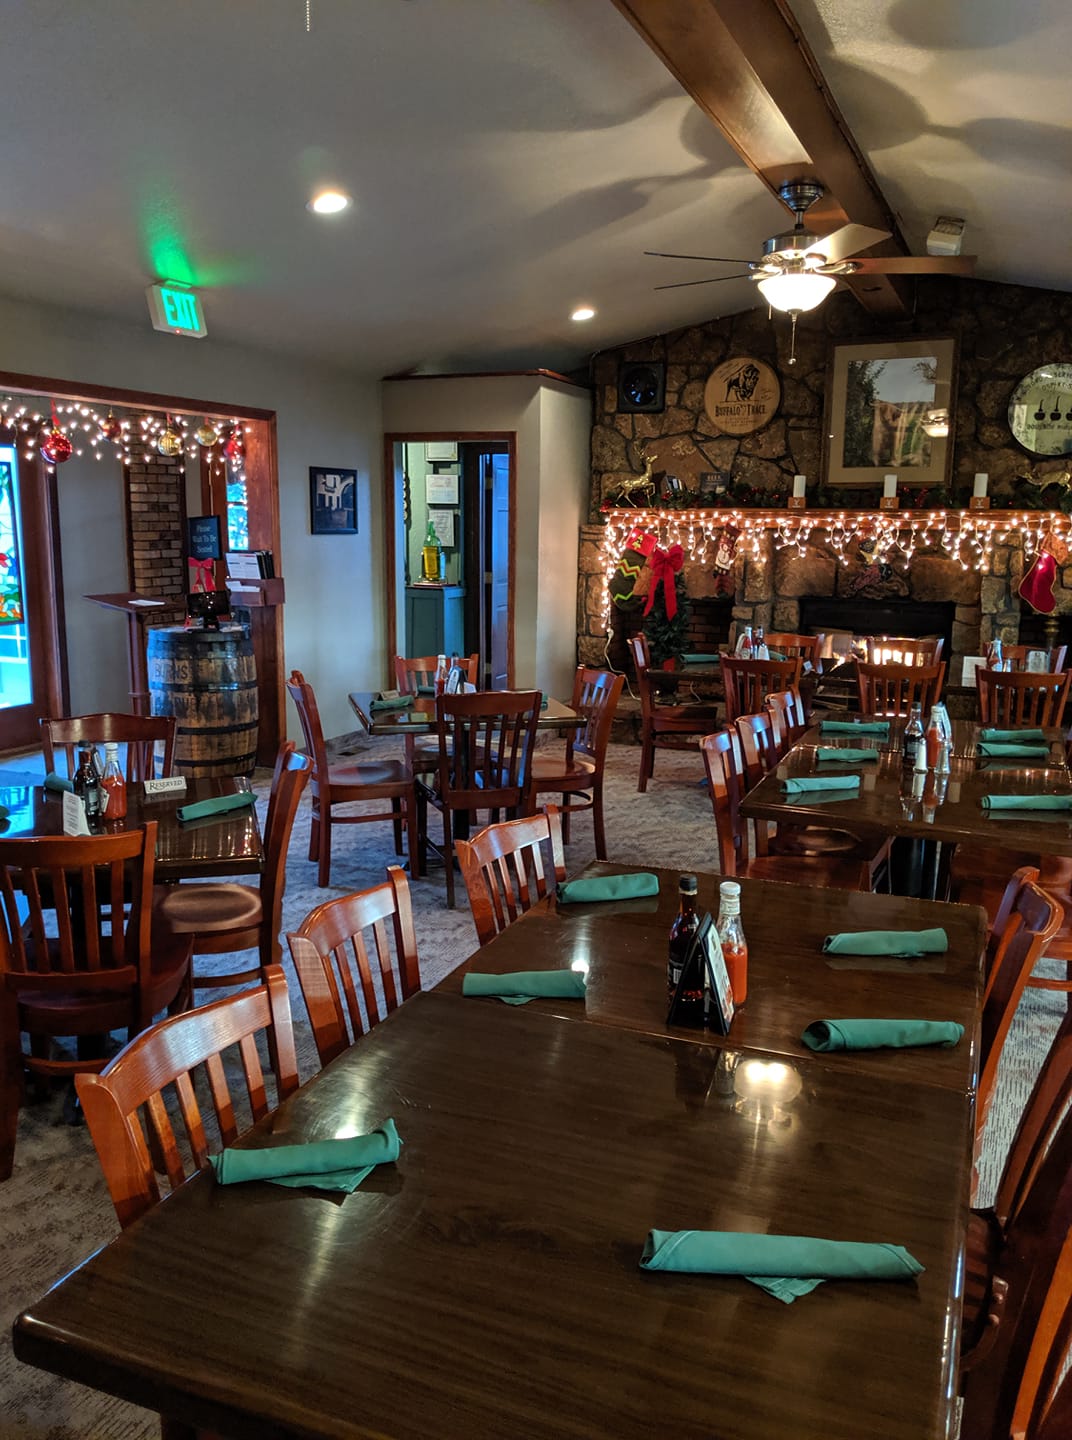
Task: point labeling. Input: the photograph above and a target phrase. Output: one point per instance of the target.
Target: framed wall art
(881, 397)
(332, 501)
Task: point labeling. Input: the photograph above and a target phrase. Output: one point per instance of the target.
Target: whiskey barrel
(207, 679)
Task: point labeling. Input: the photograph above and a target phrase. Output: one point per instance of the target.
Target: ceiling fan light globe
(796, 291)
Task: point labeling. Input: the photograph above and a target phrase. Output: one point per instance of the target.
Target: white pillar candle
(980, 485)
(889, 487)
(799, 482)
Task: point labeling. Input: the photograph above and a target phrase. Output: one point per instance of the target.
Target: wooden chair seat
(375, 779)
(207, 908)
(578, 771)
(85, 1013)
(556, 773)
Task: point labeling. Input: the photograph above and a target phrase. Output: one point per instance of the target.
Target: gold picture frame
(879, 393)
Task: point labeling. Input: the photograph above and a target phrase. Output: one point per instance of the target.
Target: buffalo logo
(742, 383)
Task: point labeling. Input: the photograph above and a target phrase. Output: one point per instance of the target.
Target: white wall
(334, 616)
(551, 490)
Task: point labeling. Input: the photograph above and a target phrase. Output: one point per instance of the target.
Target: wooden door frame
(421, 437)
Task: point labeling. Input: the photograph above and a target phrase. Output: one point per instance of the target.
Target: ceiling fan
(798, 269)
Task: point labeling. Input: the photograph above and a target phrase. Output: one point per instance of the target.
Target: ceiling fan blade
(711, 259)
(714, 280)
(849, 240)
(917, 265)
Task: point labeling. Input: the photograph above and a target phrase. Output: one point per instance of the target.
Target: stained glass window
(12, 609)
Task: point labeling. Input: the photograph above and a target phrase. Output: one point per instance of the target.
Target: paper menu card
(74, 814)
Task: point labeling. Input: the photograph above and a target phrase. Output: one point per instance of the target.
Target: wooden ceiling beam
(746, 65)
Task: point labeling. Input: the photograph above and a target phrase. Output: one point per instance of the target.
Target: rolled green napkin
(1027, 802)
(402, 703)
(698, 659)
(805, 783)
(218, 805)
(827, 1035)
(1002, 749)
(1013, 735)
(887, 942)
(323, 1164)
(525, 985)
(844, 755)
(856, 727)
(784, 1265)
(57, 782)
(608, 887)
(425, 689)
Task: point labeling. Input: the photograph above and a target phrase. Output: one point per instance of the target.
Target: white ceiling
(508, 160)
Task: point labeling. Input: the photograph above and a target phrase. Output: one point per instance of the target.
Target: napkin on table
(217, 805)
(1004, 750)
(525, 985)
(887, 942)
(607, 887)
(844, 755)
(1013, 735)
(323, 1164)
(698, 659)
(854, 727)
(1027, 802)
(57, 782)
(784, 1265)
(803, 783)
(401, 703)
(827, 1035)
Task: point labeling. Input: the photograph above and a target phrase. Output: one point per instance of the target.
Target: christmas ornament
(664, 566)
(54, 444)
(111, 428)
(1037, 585)
(235, 447)
(206, 434)
(169, 441)
(726, 549)
(638, 546)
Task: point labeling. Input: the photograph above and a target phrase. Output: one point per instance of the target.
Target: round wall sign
(1040, 410)
(742, 395)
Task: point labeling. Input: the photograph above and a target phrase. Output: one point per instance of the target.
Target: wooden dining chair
(78, 956)
(417, 677)
(901, 650)
(890, 691)
(670, 727)
(746, 682)
(344, 993)
(130, 1119)
(485, 763)
(1011, 698)
(504, 872)
(578, 774)
(141, 734)
(1016, 656)
(333, 785)
(789, 716)
(221, 916)
(795, 647)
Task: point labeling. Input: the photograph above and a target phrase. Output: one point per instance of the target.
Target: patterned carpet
(55, 1209)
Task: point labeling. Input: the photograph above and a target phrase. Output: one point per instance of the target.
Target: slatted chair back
(129, 1093)
(1043, 1113)
(638, 649)
(891, 690)
(901, 650)
(789, 717)
(417, 676)
(725, 778)
(141, 734)
(1034, 920)
(759, 750)
(1011, 698)
(746, 682)
(595, 699)
(504, 871)
(795, 647)
(356, 958)
(485, 748)
(1025, 875)
(1017, 656)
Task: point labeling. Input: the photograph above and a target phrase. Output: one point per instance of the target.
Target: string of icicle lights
(967, 537)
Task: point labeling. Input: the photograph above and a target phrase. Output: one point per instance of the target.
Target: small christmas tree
(666, 638)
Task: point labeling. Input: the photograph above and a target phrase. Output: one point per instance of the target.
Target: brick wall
(156, 516)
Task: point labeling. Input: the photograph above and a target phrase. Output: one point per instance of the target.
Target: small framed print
(440, 450)
(442, 522)
(332, 501)
(441, 489)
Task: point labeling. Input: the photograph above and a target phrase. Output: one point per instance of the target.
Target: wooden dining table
(622, 948)
(418, 718)
(488, 1283)
(225, 844)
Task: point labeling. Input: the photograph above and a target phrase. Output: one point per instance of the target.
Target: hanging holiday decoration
(666, 620)
(664, 566)
(638, 546)
(206, 434)
(111, 428)
(169, 441)
(235, 448)
(1037, 585)
(726, 549)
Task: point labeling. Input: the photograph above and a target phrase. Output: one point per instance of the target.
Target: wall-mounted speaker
(641, 386)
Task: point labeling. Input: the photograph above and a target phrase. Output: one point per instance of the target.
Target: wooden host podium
(134, 607)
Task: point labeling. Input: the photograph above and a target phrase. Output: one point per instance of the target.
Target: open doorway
(451, 517)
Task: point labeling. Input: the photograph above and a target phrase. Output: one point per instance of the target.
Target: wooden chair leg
(647, 760)
(314, 830)
(448, 855)
(565, 816)
(412, 838)
(11, 1082)
(324, 871)
(396, 811)
(597, 822)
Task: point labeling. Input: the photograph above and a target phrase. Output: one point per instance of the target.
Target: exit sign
(176, 308)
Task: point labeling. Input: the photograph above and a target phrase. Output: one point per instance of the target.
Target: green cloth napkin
(699, 659)
(57, 782)
(608, 887)
(218, 805)
(1014, 735)
(402, 703)
(806, 783)
(1027, 802)
(844, 755)
(855, 727)
(323, 1164)
(1002, 749)
(827, 1035)
(525, 985)
(784, 1265)
(887, 942)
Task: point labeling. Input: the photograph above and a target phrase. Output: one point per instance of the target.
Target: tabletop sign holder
(166, 785)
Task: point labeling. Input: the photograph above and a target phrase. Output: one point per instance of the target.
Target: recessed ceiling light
(583, 312)
(329, 202)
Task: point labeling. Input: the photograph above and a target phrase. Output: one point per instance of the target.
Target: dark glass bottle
(87, 785)
(689, 991)
(913, 737)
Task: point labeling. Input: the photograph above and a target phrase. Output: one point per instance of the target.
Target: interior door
(496, 468)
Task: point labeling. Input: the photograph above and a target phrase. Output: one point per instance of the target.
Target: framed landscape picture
(333, 501)
(879, 396)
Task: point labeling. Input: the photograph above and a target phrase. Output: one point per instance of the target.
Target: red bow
(203, 576)
(664, 566)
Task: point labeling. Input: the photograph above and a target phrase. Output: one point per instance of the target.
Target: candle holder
(979, 502)
(889, 502)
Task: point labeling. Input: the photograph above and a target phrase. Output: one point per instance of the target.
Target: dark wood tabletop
(487, 1285)
(790, 981)
(885, 803)
(419, 717)
(228, 844)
